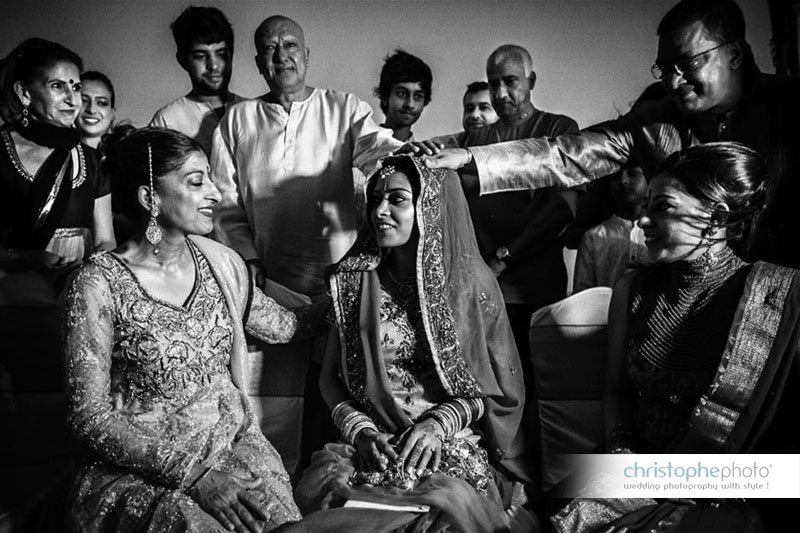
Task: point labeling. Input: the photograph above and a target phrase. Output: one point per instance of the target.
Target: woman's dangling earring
(153, 232)
(25, 114)
(709, 258)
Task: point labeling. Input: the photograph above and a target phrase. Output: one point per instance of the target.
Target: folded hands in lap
(420, 448)
(227, 498)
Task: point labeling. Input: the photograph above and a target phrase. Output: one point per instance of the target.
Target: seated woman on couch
(703, 346)
(421, 373)
(157, 363)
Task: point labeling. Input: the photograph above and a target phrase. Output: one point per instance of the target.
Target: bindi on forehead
(71, 81)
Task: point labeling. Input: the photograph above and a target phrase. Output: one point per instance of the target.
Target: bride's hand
(374, 450)
(422, 446)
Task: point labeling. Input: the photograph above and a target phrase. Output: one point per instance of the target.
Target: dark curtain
(783, 15)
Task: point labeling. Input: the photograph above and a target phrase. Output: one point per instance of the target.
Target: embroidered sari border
(347, 287)
(746, 354)
(437, 315)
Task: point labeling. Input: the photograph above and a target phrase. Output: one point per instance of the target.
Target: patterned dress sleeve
(89, 335)
(273, 323)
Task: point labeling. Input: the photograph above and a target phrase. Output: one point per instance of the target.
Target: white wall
(592, 56)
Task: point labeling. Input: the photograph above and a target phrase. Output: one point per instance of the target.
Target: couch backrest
(569, 350)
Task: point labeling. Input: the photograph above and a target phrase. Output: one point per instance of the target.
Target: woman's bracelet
(456, 414)
(197, 480)
(446, 419)
(351, 421)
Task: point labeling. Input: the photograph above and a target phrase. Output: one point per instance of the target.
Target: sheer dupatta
(464, 319)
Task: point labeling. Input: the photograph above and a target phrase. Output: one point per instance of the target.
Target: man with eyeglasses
(715, 93)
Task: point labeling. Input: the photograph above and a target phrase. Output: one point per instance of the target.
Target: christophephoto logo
(750, 476)
(686, 476)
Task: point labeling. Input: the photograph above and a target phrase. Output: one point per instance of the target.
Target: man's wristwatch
(502, 253)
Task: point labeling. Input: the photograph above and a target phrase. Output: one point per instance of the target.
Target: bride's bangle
(351, 421)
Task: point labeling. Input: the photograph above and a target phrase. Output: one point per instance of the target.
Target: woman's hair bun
(109, 148)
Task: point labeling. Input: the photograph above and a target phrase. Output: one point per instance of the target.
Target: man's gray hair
(506, 51)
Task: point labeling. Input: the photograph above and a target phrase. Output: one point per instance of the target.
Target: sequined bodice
(162, 351)
(409, 365)
(680, 317)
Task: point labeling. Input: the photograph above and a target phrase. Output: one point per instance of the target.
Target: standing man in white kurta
(284, 165)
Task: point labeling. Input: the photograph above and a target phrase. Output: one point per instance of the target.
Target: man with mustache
(477, 103)
(204, 40)
(715, 93)
(518, 232)
(404, 91)
(283, 163)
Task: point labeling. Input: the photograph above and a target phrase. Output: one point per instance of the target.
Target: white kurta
(190, 117)
(287, 182)
(606, 252)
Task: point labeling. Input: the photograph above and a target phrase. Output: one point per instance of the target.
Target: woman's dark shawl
(49, 193)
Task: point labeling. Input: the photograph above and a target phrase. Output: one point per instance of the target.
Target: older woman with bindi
(157, 359)
(55, 210)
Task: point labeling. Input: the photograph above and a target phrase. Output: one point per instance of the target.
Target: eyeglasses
(684, 66)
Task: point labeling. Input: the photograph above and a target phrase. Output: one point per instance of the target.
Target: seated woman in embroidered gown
(156, 360)
(421, 372)
(703, 346)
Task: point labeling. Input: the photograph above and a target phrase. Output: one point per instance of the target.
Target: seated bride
(421, 373)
